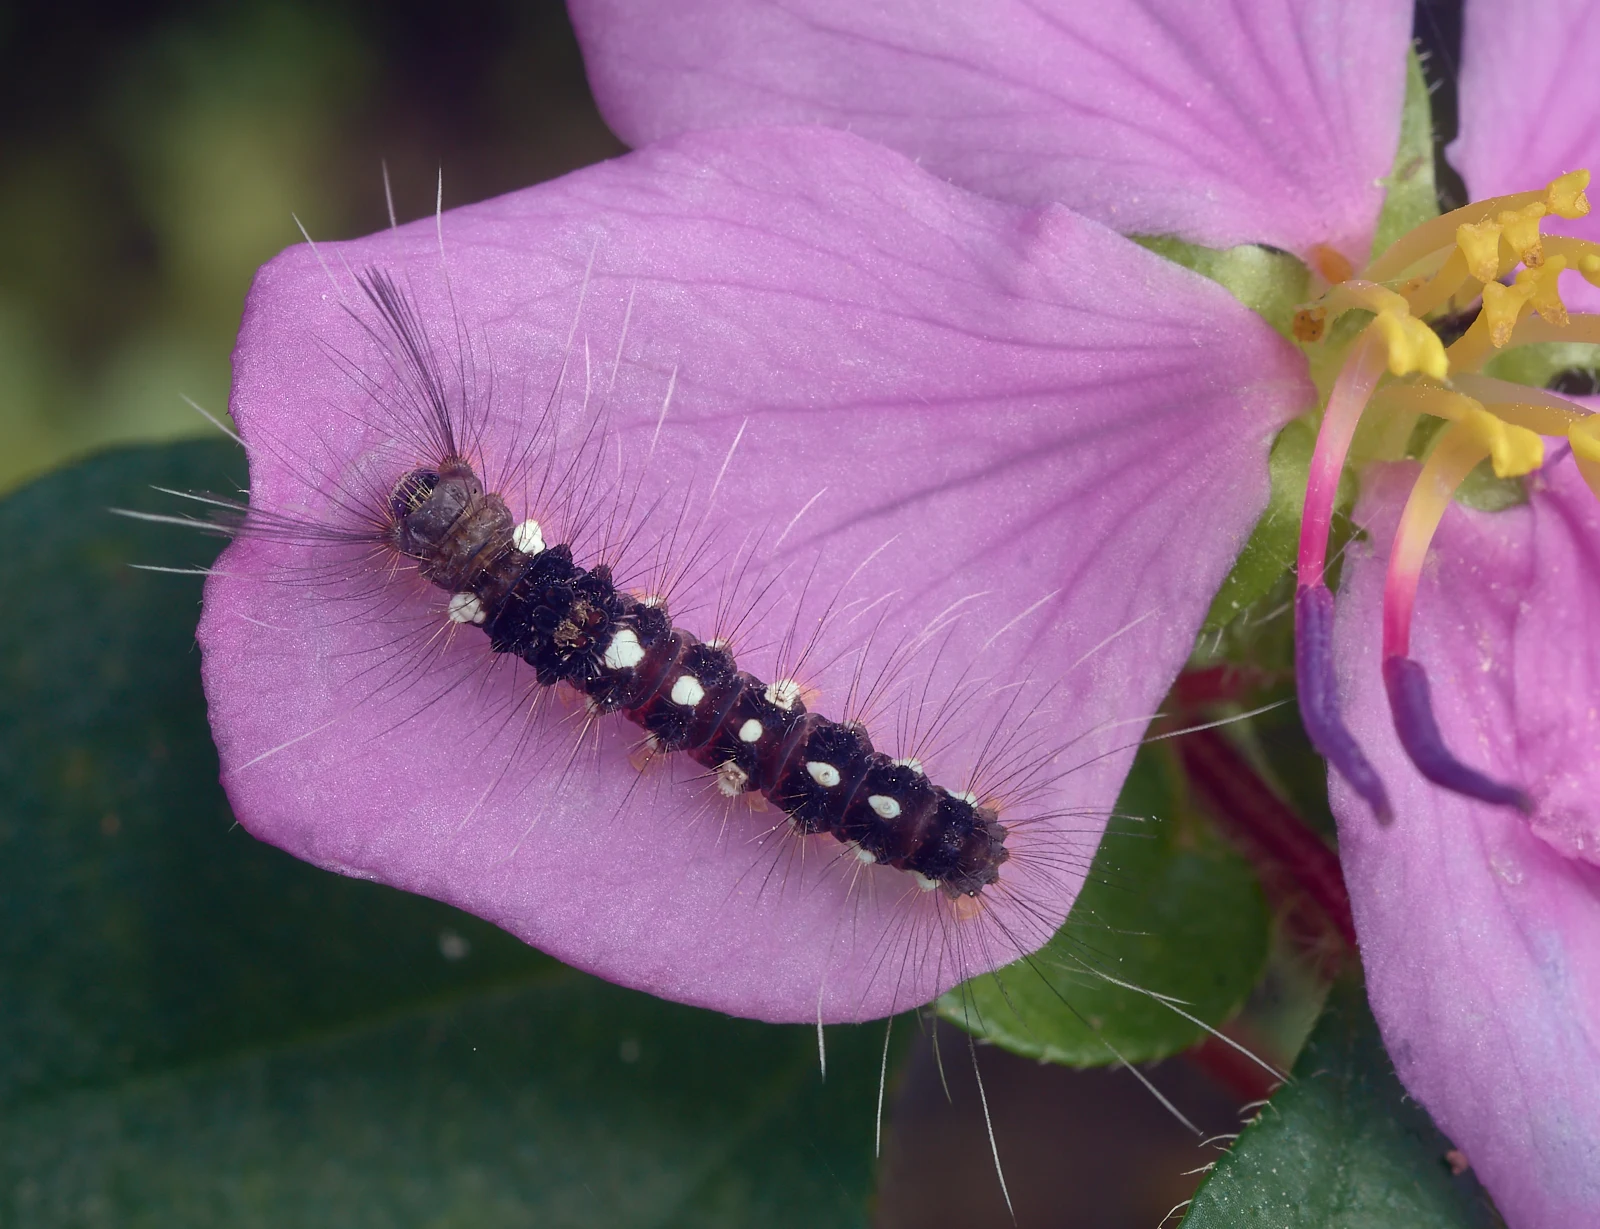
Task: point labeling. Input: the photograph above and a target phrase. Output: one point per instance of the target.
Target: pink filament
(1405, 681)
(1351, 392)
(1452, 460)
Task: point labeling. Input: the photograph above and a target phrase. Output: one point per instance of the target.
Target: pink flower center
(1385, 368)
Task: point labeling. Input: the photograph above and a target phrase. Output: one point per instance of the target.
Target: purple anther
(1319, 698)
(1407, 685)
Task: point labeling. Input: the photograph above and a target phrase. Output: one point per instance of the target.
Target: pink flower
(1009, 423)
(1480, 926)
(1273, 122)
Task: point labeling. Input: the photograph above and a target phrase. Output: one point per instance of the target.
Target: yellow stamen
(1513, 451)
(1565, 195)
(1456, 452)
(1544, 291)
(1365, 295)
(1520, 228)
(1580, 254)
(1412, 345)
(1562, 196)
(1537, 409)
(1479, 242)
(1473, 348)
(1501, 307)
(1426, 295)
(1528, 408)
(1584, 437)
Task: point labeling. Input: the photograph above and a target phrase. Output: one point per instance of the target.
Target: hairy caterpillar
(923, 452)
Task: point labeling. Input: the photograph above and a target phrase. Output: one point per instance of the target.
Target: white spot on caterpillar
(783, 694)
(528, 537)
(968, 797)
(716, 642)
(923, 882)
(652, 600)
(687, 691)
(914, 765)
(885, 806)
(624, 652)
(866, 856)
(731, 780)
(750, 731)
(465, 608)
(825, 775)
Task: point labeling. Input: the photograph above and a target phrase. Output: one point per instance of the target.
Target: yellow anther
(1513, 451)
(1521, 230)
(1584, 436)
(1412, 345)
(1544, 293)
(1480, 244)
(1565, 195)
(1589, 266)
(1501, 307)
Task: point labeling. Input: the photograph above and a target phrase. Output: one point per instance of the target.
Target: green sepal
(1274, 542)
(1167, 907)
(1269, 282)
(1536, 365)
(1410, 194)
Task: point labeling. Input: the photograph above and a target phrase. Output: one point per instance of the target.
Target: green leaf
(1340, 1145)
(195, 1029)
(1167, 908)
(1410, 197)
(1538, 364)
(1269, 282)
(1481, 490)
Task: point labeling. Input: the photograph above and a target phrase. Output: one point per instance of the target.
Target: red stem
(1270, 832)
(1240, 1074)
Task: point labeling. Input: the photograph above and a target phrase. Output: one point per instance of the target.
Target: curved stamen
(1351, 392)
(1538, 409)
(1316, 682)
(1409, 701)
(1478, 434)
(1563, 196)
(1452, 259)
(1317, 688)
(1474, 347)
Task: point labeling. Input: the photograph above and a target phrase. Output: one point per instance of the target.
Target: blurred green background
(154, 155)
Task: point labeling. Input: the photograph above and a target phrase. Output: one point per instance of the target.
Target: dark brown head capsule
(446, 522)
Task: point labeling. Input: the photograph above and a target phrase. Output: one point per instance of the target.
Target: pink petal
(1019, 421)
(1261, 121)
(1530, 106)
(1480, 937)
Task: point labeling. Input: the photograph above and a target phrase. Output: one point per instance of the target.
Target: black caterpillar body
(574, 626)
